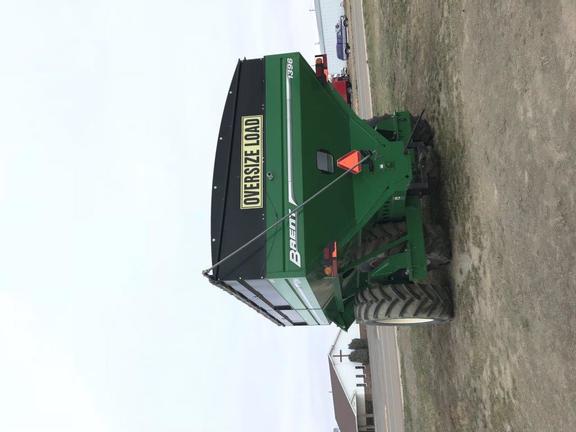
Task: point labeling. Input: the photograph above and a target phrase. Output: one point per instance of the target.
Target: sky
(109, 115)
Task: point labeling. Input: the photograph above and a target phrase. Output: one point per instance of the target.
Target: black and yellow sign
(251, 184)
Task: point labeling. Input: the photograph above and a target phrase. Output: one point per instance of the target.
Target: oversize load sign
(251, 174)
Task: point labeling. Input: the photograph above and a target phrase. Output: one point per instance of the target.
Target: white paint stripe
(291, 198)
(399, 366)
(386, 418)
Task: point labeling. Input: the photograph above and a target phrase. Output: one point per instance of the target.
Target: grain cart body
(283, 130)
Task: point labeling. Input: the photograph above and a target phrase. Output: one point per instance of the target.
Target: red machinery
(341, 82)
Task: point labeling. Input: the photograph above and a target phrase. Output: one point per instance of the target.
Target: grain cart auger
(316, 215)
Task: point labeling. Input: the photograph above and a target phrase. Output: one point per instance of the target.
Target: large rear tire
(437, 243)
(403, 304)
(424, 132)
(373, 238)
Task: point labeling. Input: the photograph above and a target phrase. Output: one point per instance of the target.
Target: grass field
(498, 81)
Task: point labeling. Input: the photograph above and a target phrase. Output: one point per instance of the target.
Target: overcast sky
(109, 114)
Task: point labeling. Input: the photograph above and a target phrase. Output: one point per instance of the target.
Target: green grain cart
(316, 214)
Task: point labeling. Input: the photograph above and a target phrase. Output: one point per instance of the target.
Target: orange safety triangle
(350, 160)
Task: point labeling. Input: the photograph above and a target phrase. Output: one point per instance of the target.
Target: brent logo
(293, 233)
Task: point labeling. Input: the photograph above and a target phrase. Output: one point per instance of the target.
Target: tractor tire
(375, 237)
(424, 132)
(405, 304)
(437, 244)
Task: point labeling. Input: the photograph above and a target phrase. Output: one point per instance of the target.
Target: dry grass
(497, 81)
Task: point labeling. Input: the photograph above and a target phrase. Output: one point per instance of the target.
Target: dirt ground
(498, 81)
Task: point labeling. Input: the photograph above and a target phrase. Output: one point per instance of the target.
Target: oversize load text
(251, 184)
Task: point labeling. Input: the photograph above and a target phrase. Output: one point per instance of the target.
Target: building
(328, 12)
(351, 388)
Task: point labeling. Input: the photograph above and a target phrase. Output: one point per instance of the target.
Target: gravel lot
(498, 81)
